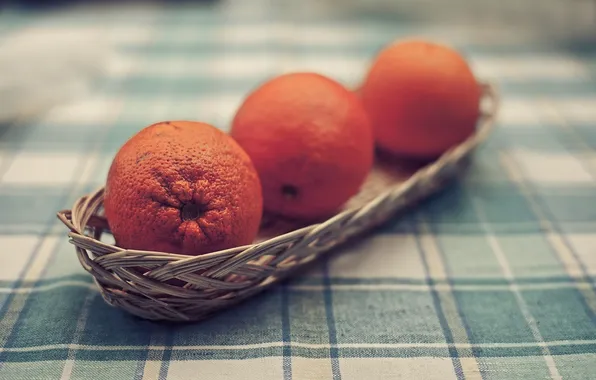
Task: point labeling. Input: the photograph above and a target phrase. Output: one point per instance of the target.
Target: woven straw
(173, 287)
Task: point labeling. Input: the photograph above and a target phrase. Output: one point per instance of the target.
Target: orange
(310, 140)
(422, 98)
(182, 187)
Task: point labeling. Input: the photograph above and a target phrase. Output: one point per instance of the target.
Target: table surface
(493, 278)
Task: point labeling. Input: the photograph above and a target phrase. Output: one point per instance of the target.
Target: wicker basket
(165, 286)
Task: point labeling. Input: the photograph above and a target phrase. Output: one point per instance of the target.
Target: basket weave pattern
(165, 286)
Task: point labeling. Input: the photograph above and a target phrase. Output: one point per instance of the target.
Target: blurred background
(55, 50)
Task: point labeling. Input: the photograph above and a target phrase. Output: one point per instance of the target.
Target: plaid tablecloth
(491, 279)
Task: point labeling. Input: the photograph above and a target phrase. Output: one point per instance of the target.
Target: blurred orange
(422, 98)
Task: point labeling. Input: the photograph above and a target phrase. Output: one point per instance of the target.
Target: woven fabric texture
(494, 278)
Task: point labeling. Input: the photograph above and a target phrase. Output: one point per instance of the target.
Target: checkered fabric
(494, 278)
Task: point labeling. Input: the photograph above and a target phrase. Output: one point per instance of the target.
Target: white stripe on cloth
(508, 274)
(79, 331)
(321, 346)
(241, 65)
(555, 238)
(438, 271)
(555, 115)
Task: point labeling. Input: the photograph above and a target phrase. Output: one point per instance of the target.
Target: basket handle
(77, 221)
(96, 222)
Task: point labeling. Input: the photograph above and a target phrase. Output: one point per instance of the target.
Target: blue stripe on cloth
(185, 354)
(457, 367)
(548, 137)
(328, 297)
(286, 333)
(451, 282)
(167, 356)
(361, 46)
(140, 368)
(477, 283)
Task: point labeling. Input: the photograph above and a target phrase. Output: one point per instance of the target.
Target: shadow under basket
(173, 287)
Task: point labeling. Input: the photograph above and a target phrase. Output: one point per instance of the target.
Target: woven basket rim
(479, 136)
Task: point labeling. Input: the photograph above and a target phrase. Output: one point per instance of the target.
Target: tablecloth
(493, 278)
